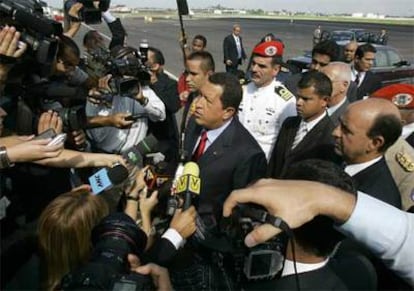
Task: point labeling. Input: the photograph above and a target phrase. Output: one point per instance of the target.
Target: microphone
(148, 145)
(135, 155)
(106, 178)
(189, 184)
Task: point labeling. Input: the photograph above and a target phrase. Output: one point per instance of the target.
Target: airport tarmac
(297, 35)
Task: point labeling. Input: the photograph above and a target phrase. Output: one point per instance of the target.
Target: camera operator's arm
(151, 103)
(10, 49)
(75, 23)
(116, 120)
(296, 209)
(387, 231)
(116, 28)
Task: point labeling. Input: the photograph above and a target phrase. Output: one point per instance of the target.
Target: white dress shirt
(387, 231)
(354, 169)
(289, 269)
(262, 112)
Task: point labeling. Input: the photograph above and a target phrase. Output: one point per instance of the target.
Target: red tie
(201, 146)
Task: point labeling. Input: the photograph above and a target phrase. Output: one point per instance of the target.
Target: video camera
(73, 118)
(113, 239)
(125, 61)
(90, 14)
(262, 262)
(37, 31)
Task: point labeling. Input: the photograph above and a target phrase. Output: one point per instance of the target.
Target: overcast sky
(387, 7)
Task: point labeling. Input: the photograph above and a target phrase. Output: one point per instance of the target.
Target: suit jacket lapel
(314, 135)
(291, 134)
(192, 131)
(220, 145)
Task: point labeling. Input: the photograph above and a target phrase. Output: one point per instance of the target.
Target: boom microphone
(106, 178)
(189, 184)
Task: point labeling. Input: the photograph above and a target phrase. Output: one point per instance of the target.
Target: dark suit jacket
(370, 84)
(352, 92)
(377, 181)
(320, 279)
(338, 113)
(230, 49)
(160, 253)
(166, 131)
(317, 144)
(231, 162)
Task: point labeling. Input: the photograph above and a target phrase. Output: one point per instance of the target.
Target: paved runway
(297, 36)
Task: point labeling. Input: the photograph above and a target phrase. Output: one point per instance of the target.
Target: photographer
(144, 104)
(389, 233)
(313, 243)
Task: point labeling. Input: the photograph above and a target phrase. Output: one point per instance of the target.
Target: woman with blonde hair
(64, 231)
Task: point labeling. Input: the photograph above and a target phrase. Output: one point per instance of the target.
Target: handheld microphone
(106, 178)
(148, 145)
(189, 184)
(135, 155)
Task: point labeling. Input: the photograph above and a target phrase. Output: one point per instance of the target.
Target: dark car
(362, 35)
(338, 35)
(388, 64)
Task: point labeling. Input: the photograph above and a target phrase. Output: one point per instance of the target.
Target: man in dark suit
(233, 50)
(366, 130)
(366, 81)
(229, 158)
(308, 135)
(340, 75)
(165, 131)
(199, 66)
(400, 156)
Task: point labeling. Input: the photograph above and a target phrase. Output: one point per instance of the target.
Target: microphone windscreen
(133, 157)
(117, 174)
(147, 145)
(191, 168)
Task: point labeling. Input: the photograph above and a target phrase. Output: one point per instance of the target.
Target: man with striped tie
(308, 135)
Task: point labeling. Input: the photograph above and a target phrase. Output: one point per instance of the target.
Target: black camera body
(262, 262)
(113, 239)
(89, 13)
(37, 31)
(73, 118)
(127, 62)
